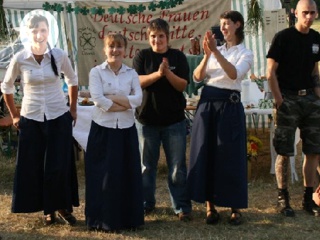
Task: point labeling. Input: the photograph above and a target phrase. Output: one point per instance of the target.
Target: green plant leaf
(255, 17)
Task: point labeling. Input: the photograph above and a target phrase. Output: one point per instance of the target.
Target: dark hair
(33, 22)
(235, 16)
(117, 38)
(159, 24)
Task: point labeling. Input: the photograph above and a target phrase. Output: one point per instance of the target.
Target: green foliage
(255, 17)
(132, 9)
(3, 25)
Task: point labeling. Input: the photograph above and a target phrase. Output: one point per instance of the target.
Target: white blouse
(240, 57)
(103, 81)
(42, 89)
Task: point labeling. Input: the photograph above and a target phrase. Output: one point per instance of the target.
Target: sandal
(213, 217)
(235, 218)
(67, 217)
(49, 219)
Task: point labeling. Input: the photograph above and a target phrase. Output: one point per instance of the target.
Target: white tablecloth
(250, 93)
(81, 130)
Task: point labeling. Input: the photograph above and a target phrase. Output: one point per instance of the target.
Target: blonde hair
(116, 38)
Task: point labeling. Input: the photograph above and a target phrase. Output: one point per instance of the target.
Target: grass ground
(261, 220)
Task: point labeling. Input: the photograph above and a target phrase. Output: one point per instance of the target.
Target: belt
(301, 92)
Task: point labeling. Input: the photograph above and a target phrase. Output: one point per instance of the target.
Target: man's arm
(164, 70)
(177, 82)
(147, 80)
(316, 79)
(272, 66)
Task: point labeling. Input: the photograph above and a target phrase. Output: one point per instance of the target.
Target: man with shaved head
(293, 76)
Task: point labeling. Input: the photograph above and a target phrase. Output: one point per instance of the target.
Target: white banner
(188, 20)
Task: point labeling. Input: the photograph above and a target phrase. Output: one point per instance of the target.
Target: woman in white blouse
(218, 166)
(114, 198)
(45, 177)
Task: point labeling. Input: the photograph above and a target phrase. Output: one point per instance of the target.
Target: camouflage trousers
(297, 112)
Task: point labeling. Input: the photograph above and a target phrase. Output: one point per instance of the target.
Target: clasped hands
(209, 43)
(164, 67)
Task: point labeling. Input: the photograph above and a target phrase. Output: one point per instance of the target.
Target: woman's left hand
(74, 116)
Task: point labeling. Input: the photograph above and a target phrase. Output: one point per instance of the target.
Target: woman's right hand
(15, 122)
(209, 43)
(205, 46)
(278, 103)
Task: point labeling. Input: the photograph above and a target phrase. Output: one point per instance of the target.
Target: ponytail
(53, 63)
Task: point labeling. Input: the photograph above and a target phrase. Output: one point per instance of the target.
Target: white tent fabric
(32, 4)
(258, 43)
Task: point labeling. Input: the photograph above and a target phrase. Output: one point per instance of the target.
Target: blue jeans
(173, 139)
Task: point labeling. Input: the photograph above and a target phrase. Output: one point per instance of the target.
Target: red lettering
(184, 16)
(182, 48)
(190, 35)
(97, 18)
(101, 34)
(131, 52)
(178, 32)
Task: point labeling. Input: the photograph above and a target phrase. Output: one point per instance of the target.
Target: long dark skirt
(218, 165)
(45, 177)
(114, 197)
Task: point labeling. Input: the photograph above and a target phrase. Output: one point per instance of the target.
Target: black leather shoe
(67, 217)
(283, 204)
(213, 217)
(287, 211)
(311, 207)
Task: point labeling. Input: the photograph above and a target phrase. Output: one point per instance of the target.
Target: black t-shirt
(296, 53)
(161, 104)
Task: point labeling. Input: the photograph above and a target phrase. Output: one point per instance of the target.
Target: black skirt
(114, 197)
(45, 177)
(218, 163)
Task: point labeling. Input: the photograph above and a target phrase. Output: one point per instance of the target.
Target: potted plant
(254, 144)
